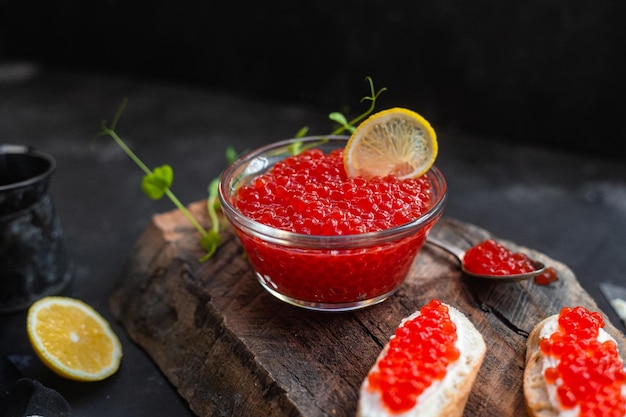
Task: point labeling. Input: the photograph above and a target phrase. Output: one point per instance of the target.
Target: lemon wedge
(73, 339)
(395, 142)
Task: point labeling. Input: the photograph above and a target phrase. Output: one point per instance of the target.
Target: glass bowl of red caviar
(318, 239)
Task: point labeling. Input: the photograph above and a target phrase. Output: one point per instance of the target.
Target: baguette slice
(446, 397)
(538, 402)
(536, 394)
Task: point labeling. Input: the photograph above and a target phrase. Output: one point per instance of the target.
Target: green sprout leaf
(155, 184)
(342, 121)
(210, 242)
(213, 204)
(302, 132)
(231, 155)
(295, 148)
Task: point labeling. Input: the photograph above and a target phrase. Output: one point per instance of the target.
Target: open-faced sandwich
(573, 368)
(427, 368)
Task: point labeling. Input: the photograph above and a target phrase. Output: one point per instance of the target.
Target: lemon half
(73, 339)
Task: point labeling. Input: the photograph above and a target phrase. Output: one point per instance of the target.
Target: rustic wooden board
(231, 349)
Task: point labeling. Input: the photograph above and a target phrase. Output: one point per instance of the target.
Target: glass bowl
(328, 273)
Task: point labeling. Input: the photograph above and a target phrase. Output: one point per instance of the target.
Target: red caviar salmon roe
(589, 374)
(491, 258)
(310, 193)
(332, 275)
(418, 355)
(546, 277)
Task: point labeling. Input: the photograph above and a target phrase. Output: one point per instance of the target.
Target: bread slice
(539, 402)
(444, 398)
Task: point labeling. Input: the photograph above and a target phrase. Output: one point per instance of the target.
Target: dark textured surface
(570, 207)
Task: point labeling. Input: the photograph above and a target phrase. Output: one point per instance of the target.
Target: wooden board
(231, 349)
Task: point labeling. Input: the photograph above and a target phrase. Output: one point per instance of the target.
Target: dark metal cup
(33, 257)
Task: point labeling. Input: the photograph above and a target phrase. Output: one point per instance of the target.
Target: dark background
(541, 71)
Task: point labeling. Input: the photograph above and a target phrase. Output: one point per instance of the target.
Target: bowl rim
(7, 149)
(287, 238)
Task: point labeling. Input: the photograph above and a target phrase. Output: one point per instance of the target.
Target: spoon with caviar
(492, 260)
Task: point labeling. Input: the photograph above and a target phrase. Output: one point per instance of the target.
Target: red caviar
(546, 277)
(310, 194)
(491, 258)
(590, 374)
(418, 355)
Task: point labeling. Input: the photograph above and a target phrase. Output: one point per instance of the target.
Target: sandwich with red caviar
(427, 368)
(573, 368)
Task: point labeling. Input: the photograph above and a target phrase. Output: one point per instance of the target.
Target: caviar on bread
(573, 368)
(427, 368)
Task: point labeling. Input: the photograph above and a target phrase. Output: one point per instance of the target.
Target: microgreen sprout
(212, 240)
(339, 118)
(302, 132)
(231, 155)
(350, 126)
(156, 183)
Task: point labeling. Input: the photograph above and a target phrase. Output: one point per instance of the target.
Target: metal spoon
(460, 254)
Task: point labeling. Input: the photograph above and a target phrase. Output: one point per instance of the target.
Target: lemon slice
(395, 142)
(73, 339)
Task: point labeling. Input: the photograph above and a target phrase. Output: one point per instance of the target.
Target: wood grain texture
(231, 349)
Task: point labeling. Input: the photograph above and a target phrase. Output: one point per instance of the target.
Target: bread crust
(535, 391)
(457, 394)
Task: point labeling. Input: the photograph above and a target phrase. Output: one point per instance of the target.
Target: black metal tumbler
(33, 257)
